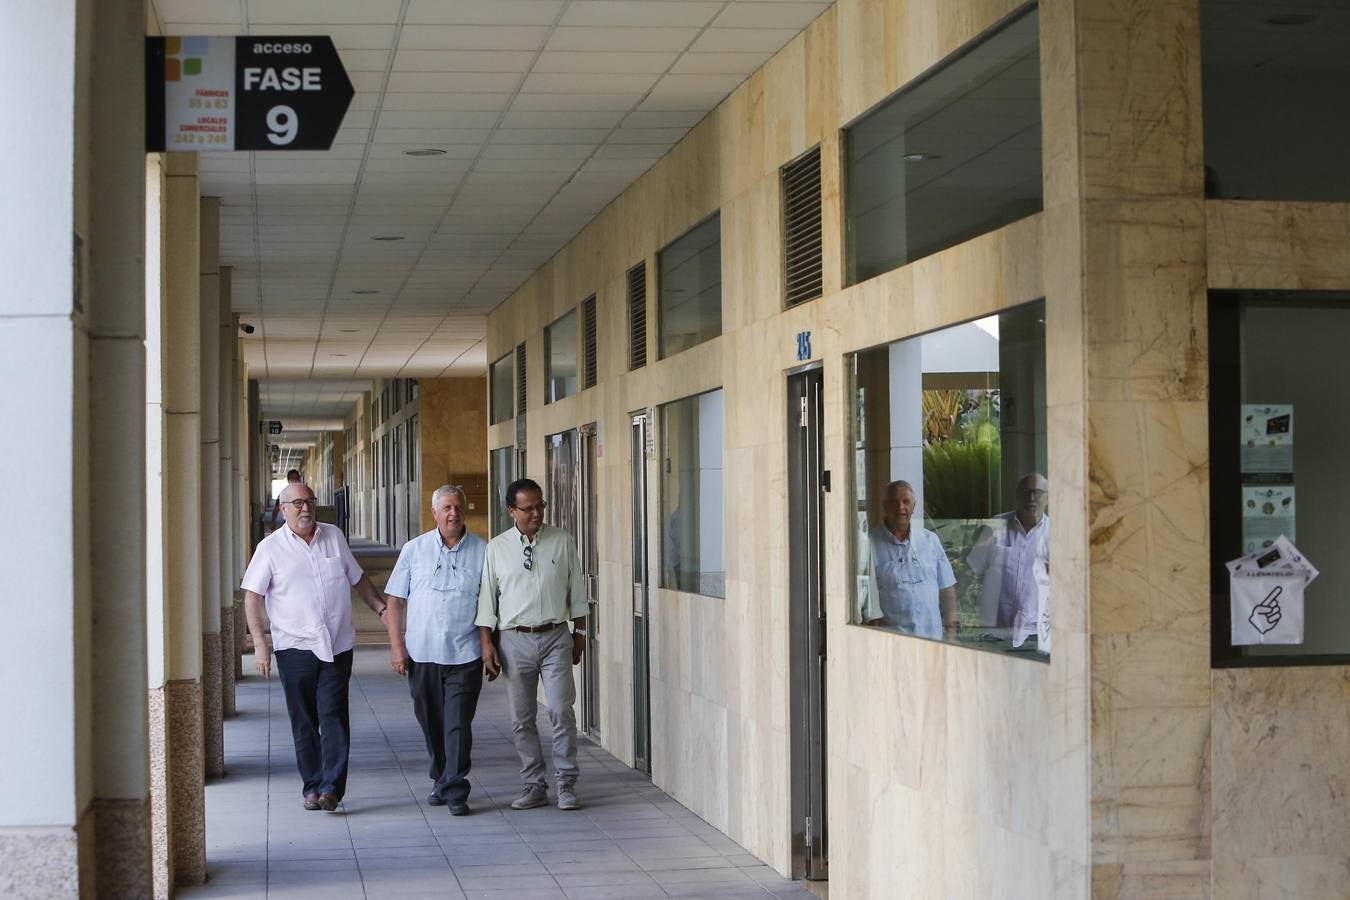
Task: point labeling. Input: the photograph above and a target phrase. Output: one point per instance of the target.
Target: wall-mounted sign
(1266, 590)
(1267, 438)
(803, 346)
(274, 426)
(243, 93)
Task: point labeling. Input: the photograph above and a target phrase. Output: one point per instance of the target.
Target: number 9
(284, 125)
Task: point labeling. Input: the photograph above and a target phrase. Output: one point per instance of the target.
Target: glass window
(954, 155)
(951, 513)
(499, 390)
(691, 495)
(560, 361)
(1274, 98)
(1278, 433)
(690, 289)
(502, 472)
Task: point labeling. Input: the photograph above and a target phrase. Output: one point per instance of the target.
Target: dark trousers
(316, 700)
(445, 699)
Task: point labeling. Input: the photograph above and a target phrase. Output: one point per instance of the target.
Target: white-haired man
(304, 574)
(437, 578)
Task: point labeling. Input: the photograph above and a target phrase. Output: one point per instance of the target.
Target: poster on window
(1267, 438)
(1267, 513)
(1266, 590)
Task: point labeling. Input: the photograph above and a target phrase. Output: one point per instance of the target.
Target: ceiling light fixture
(349, 330)
(364, 291)
(386, 237)
(337, 354)
(424, 151)
(1291, 19)
(921, 157)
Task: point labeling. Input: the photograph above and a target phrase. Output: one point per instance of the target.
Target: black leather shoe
(435, 799)
(328, 802)
(312, 802)
(459, 809)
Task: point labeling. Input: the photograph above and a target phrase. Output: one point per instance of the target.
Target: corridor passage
(629, 840)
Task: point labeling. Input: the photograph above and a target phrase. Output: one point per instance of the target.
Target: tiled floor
(629, 841)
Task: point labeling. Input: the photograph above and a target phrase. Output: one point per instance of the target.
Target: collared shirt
(1024, 574)
(551, 590)
(441, 585)
(307, 588)
(903, 580)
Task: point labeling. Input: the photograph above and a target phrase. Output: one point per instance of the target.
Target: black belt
(532, 629)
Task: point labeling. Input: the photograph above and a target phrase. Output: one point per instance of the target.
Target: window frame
(855, 537)
(1225, 528)
(548, 356)
(660, 289)
(663, 514)
(508, 359)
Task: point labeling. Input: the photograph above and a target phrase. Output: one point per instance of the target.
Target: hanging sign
(243, 93)
(1266, 590)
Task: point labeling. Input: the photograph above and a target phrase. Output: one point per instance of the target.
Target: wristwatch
(383, 609)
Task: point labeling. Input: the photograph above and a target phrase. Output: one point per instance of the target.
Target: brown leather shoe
(328, 802)
(312, 802)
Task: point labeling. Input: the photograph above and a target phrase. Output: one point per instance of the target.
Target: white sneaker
(533, 795)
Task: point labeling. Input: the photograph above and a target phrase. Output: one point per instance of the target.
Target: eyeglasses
(531, 510)
(529, 557)
(302, 502)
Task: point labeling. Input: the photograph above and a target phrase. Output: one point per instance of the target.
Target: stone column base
(213, 722)
(227, 674)
(160, 846)
(122, 853)
(187, 781)
(48, 863)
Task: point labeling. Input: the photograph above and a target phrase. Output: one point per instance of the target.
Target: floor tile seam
(365, 698)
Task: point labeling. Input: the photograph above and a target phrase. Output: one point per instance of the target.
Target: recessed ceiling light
(386, 237)
(337, 354)
(349, 330)
(425, 151)
(921, 157)
(369, 290)
(1291, 19)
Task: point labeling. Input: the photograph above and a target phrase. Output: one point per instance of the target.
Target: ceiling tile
(365, 12)
(621, 39)
(483, 12)
(614, 62)
(651, 13)
(472, 37)
(769, 15)
(743, 40)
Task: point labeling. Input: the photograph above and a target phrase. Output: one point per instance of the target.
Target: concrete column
(73, 781)
(182, 484)
(229, 577)
(158, 638)
(243, 544)
(213, 733)
(45, 779)
(116, 515)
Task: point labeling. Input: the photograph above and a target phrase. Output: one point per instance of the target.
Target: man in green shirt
(532, 584)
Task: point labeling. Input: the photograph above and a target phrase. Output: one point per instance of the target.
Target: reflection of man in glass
(1015, 557)
(910, 584)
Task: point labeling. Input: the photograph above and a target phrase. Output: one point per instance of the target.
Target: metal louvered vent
(520, 379)
(637, 316)
(589, 370)
(802, 263)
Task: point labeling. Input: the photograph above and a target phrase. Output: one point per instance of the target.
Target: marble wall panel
(1267, 245)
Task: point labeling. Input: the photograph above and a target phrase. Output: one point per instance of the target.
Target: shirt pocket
(333, 573)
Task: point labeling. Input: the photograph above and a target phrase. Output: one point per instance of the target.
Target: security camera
(246, 328)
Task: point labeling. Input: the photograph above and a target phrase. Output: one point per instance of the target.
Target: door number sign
(243, 93)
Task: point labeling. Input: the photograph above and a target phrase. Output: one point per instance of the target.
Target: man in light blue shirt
(437, 576)
(910, 583)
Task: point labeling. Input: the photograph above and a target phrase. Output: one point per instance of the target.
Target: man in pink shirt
(306, 572)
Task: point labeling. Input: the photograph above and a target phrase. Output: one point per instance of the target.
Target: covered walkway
(630, 840)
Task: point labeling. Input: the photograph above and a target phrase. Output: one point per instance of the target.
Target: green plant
(961, 479)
